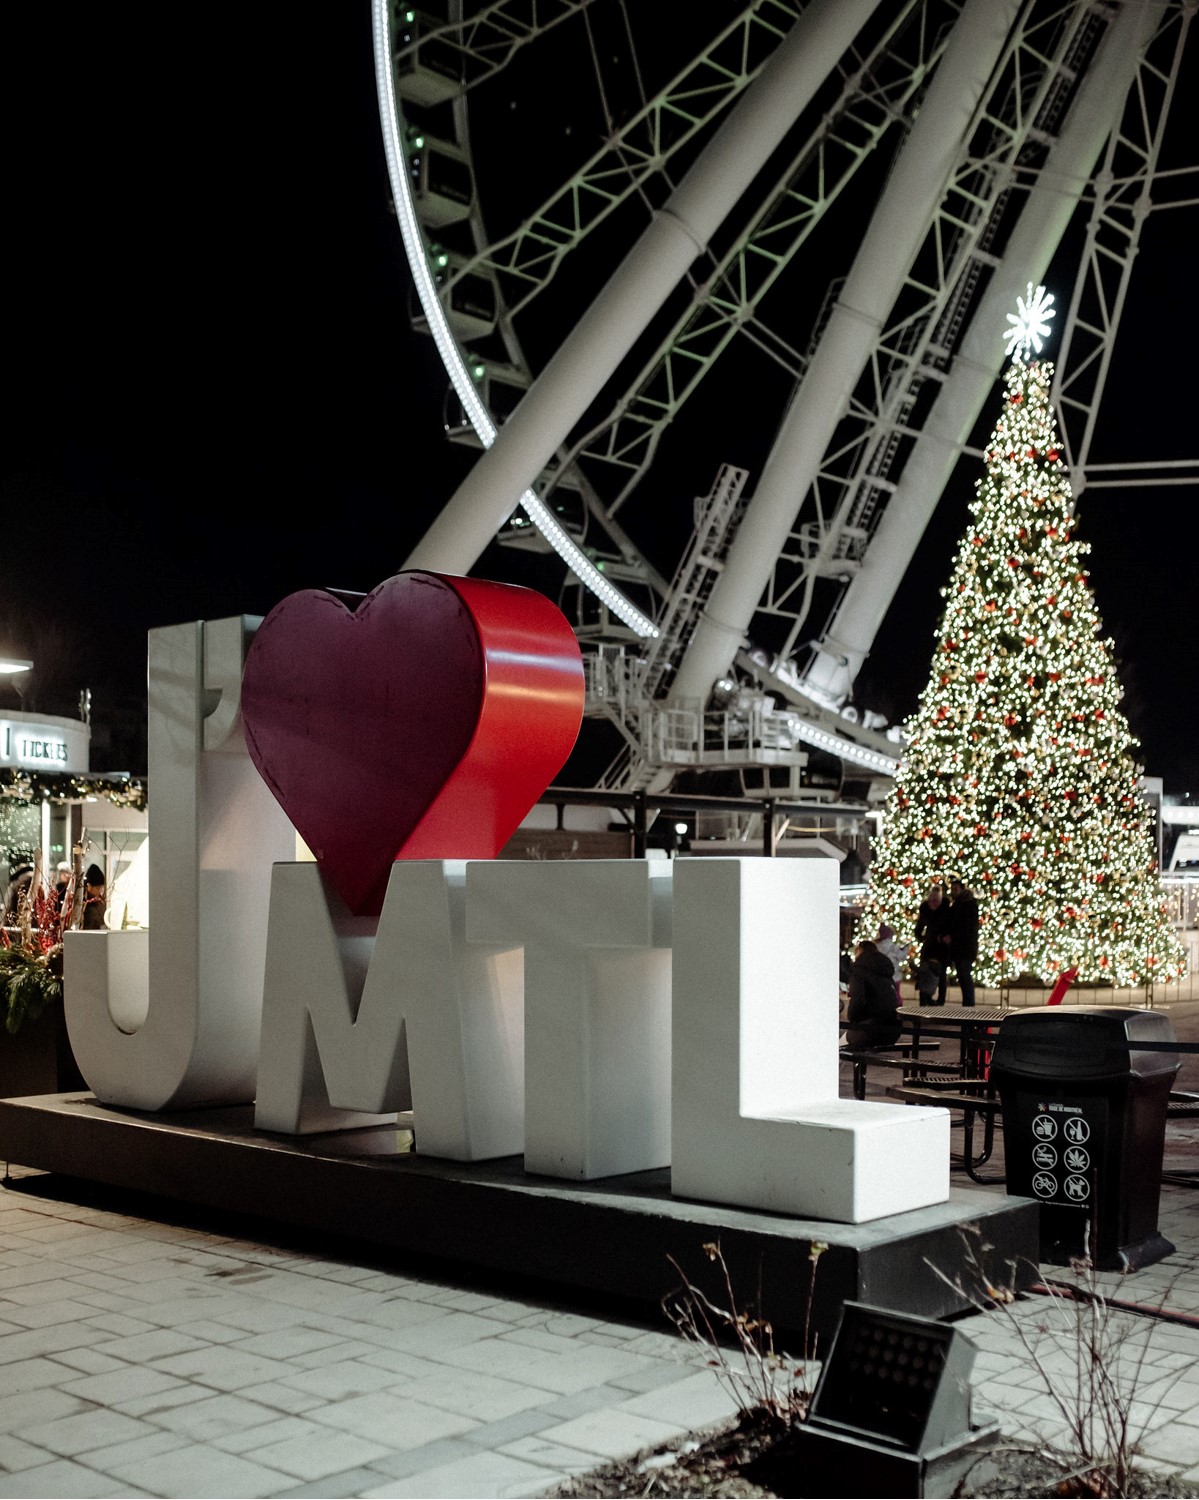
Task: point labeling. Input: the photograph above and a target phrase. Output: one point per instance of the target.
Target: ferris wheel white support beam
(653, 268)
(1051, 203)
(899, 225)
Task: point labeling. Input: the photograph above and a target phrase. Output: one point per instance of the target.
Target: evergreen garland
(20, 785)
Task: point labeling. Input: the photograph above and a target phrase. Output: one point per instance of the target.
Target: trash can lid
(1083, 1041)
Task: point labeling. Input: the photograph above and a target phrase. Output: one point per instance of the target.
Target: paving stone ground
(144, 1358)
(140, 1357)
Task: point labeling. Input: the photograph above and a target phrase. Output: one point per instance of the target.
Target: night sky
(213, 395)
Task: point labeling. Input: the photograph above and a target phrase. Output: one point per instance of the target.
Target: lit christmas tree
(1020, 776)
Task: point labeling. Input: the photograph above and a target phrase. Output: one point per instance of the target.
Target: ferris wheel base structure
(930, 166)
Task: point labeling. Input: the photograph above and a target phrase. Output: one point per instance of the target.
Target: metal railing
(639, 810)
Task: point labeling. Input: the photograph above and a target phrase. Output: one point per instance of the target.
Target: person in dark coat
(873, 1019)
(932, 931)
(963, 937)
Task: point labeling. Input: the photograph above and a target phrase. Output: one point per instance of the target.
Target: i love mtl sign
(598, 1017)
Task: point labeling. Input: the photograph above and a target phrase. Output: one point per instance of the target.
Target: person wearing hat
(886, 944)
(62, 882)
(932, 933)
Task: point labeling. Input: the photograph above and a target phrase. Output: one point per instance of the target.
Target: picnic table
(975, 1097)
(970, 1024)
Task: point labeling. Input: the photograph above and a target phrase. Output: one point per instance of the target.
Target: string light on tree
(1020, 776)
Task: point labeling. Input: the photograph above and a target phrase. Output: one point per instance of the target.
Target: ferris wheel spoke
(698, 206)
(866, 448)
(872, 100)
(1124, 192)
(1070, 159)
(638, 152)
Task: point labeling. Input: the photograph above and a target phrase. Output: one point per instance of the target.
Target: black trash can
(1084, 1127)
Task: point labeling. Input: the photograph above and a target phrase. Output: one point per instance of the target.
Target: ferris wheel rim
(451, 356)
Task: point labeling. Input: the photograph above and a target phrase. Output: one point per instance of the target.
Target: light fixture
(847, 750)
(891, 1412)
(11, 665)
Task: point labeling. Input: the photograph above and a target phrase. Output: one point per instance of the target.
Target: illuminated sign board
(30, 752)
(43, 745)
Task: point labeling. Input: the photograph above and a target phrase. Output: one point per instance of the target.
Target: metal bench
(904, 1056)
(1182, 1106)
(956, 1095)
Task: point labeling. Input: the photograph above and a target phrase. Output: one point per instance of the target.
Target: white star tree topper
(1030, 322)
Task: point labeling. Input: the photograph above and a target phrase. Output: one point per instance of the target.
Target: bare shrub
(1090, 1361)
(739, 1344)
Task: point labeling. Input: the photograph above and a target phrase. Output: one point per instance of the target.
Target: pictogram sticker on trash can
(1044, 1184)
(1055, 1148)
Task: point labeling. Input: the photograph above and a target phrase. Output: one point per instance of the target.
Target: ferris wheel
(775, 246)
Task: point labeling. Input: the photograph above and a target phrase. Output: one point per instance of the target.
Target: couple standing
(947, 932)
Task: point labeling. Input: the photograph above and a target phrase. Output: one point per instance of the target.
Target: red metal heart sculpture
(422, 725)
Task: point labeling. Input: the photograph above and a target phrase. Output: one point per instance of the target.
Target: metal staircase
(716, 518)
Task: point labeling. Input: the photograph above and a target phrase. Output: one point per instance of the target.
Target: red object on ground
(1058, 993)
(422, 725)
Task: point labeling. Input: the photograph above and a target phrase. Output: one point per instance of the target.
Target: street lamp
(16, 669)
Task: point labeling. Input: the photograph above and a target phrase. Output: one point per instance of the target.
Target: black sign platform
(613, 1236)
